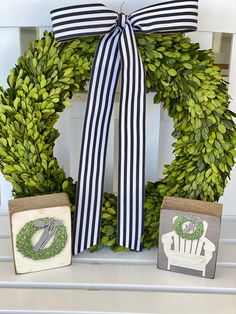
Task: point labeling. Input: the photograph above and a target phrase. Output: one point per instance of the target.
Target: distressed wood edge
(190, 205)
(12, 244)
(45, 269)
(39, 201)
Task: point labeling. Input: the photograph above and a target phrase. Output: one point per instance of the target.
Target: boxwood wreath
(184, 79)
(198, 230)
(25, 246)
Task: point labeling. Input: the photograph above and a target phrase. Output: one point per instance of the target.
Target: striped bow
(116, 51)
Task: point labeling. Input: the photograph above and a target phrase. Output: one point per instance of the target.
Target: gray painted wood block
(189, 236)
(41, 232)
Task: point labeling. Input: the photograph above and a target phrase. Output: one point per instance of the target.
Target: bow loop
(82, 20)
(49, 231)
(166, 17)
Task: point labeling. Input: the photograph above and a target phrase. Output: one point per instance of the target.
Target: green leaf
(222, 128)
(3, 141)
(142, 41)
(43, 156)
(152, 67)
(164, 83)
(185, 45)
(214, 168)
(65, 185)
(107, 216)
(67, 103)
(172, 72)
(44, 164)
(108, 230)
(104, 240)
(208, 173)
(228, 124)
(111, 211)
(157, 54)
(34, 62)
(185, 57)
(187, 65)
(17, 188)
(18, 168)
(111, 242)
(40, 147)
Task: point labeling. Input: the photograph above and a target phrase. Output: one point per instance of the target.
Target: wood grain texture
(190, 205)
(37, 202)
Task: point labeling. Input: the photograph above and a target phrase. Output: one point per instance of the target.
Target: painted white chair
(193, 254)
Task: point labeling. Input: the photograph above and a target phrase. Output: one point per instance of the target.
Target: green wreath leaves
(178, 227)
(183, 77)
(24, 241)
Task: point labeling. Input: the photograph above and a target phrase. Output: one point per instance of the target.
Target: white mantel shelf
(107, 282)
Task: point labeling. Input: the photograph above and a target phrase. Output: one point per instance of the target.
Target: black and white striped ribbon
(116, 51)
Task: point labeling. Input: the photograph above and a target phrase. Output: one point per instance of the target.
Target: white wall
(214, 15)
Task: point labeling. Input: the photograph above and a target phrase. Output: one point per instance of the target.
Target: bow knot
(117, 50)
(121, 21)
(194, 221)
(49, 230)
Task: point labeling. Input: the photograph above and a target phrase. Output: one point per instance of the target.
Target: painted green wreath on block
(183, 77)
(24, 241)
(178, 227)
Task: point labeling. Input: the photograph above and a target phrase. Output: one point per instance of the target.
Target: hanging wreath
(24, 240)
(184, 79)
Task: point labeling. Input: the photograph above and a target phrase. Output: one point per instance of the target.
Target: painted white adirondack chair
(193, 254)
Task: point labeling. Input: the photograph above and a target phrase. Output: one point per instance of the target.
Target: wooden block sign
(41, 232)
(189, 236)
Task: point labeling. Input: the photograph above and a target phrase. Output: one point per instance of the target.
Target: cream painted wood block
(41, 232)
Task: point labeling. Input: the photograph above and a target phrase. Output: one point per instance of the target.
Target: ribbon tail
(131, 144)
(40, 242)
(94, 143)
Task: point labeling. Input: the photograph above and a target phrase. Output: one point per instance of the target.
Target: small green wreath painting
(185, 81)
(192, 231)
(39, 251)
